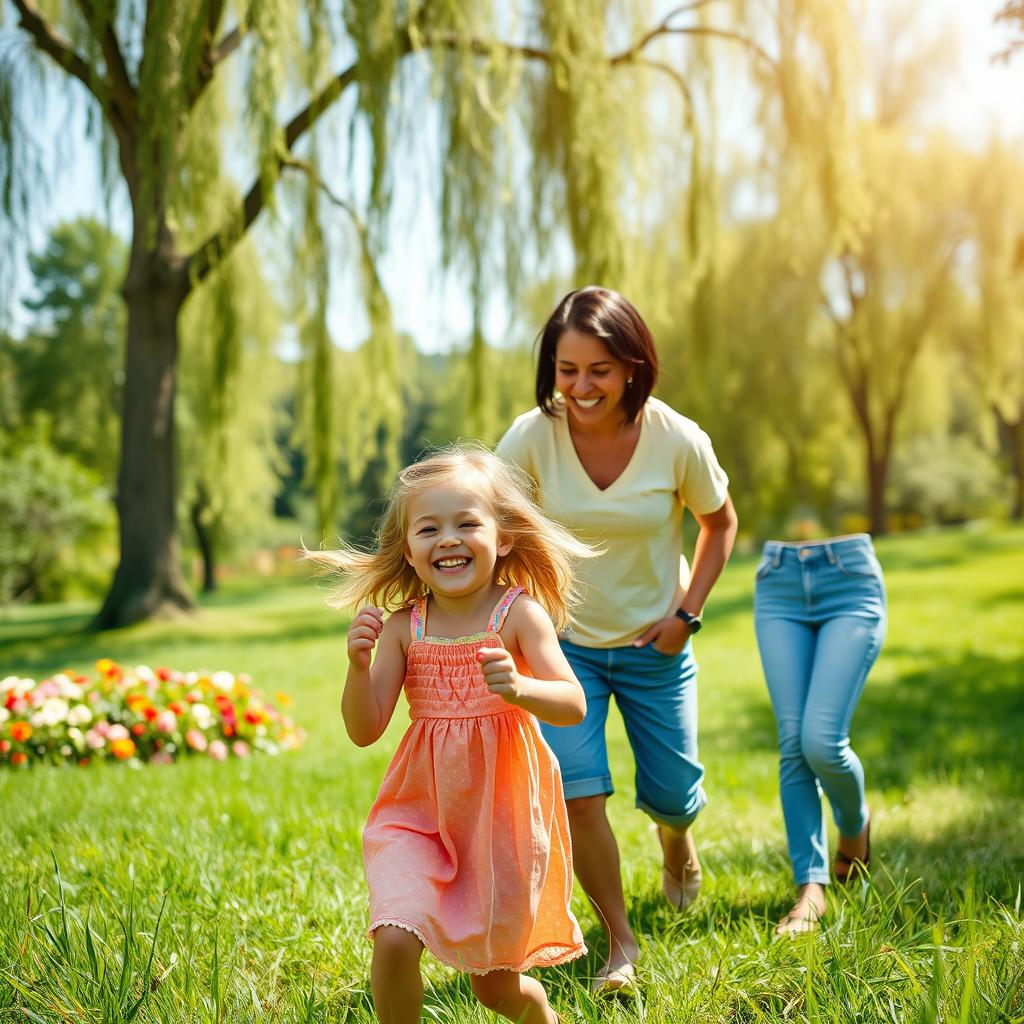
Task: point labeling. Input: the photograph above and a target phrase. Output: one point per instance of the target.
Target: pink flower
(196, 740)
(218, 750)
(114, 732)
(166, 721)
(162, 757)
(102, 727)
(240, 748)
(94, 739)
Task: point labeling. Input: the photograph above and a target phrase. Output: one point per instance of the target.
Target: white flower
(4, 715)
(145, 673)
(191, 678)
(223, 680)
(53, 711)
(80, 714)
(19, 687)
(202, 715)
(76, 737)
(69, 689)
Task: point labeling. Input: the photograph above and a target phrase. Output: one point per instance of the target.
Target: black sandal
(853, 866)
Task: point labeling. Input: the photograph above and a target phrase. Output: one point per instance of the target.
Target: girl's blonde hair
(542, 557)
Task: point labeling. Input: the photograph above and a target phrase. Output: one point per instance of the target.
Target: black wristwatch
(693, 621)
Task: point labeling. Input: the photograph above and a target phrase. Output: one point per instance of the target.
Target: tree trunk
(878, 477)
(204, 539)
(1014, 433)
(148, 580)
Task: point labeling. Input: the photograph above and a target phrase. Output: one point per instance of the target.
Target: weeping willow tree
(858, 168)
(541, 130)
(995, 349)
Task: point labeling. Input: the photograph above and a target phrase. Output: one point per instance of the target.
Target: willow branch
(122, 90)
(213, 53)
(49, 42)
(205, 257)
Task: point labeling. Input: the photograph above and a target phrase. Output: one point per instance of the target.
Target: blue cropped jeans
(820, 617)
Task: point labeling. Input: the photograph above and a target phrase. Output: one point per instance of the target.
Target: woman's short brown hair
(607, 316)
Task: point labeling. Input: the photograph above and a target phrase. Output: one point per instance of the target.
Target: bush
(57, 526)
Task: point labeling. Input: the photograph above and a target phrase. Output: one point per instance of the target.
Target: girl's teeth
(588, 403)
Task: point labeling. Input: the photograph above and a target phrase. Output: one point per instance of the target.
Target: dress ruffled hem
(548, 955)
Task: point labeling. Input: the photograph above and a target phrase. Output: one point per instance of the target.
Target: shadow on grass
(959, 719)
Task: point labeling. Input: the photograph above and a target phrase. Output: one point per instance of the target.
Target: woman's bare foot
(806, 913)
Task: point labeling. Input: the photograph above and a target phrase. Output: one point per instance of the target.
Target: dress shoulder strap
(418, 618)
(497, 619)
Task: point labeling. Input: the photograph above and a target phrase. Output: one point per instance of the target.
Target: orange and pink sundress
(467, 844)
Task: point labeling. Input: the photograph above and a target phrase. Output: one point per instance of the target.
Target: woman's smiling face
(452, 539)
(592, 380)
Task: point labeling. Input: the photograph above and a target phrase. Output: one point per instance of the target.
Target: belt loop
(778, 556)
(830, 553)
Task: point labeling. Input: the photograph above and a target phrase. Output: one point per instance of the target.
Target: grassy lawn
(255, 865)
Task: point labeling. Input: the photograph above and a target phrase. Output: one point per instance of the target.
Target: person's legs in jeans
(788, 656)
(846, 649)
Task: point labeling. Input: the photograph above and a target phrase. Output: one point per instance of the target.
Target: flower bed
(139, 715)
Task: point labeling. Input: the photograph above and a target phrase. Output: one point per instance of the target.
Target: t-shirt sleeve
(513, 448)
(703, 485)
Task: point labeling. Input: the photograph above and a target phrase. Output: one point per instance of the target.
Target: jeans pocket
(767, 565)
(859, 564)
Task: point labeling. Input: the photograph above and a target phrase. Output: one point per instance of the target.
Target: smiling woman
(617, 467)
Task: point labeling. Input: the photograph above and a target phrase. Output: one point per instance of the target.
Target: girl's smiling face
(451, 539)
(592, 381)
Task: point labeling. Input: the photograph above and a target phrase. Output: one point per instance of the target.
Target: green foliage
(56, 521)
(69, 365)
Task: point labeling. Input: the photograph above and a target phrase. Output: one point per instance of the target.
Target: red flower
(5, 745)
(20, 731)
(149, 712)
(19, 757)
(176, 708)
(253, 717)
(163, 674)
(229, 729)
(138, 729)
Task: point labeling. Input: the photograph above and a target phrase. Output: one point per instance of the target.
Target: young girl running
(466, 849)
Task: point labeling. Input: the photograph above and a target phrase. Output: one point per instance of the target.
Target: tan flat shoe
(611, 981)
(681, 892)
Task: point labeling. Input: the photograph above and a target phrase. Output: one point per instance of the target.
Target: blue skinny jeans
(820, 617)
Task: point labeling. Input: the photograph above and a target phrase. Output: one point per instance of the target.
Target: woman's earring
(629, 380)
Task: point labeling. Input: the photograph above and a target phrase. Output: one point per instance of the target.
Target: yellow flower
(104, 665)
(283, 699)
(122, 749)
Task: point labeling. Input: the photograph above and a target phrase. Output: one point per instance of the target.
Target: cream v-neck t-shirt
(642, 575)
